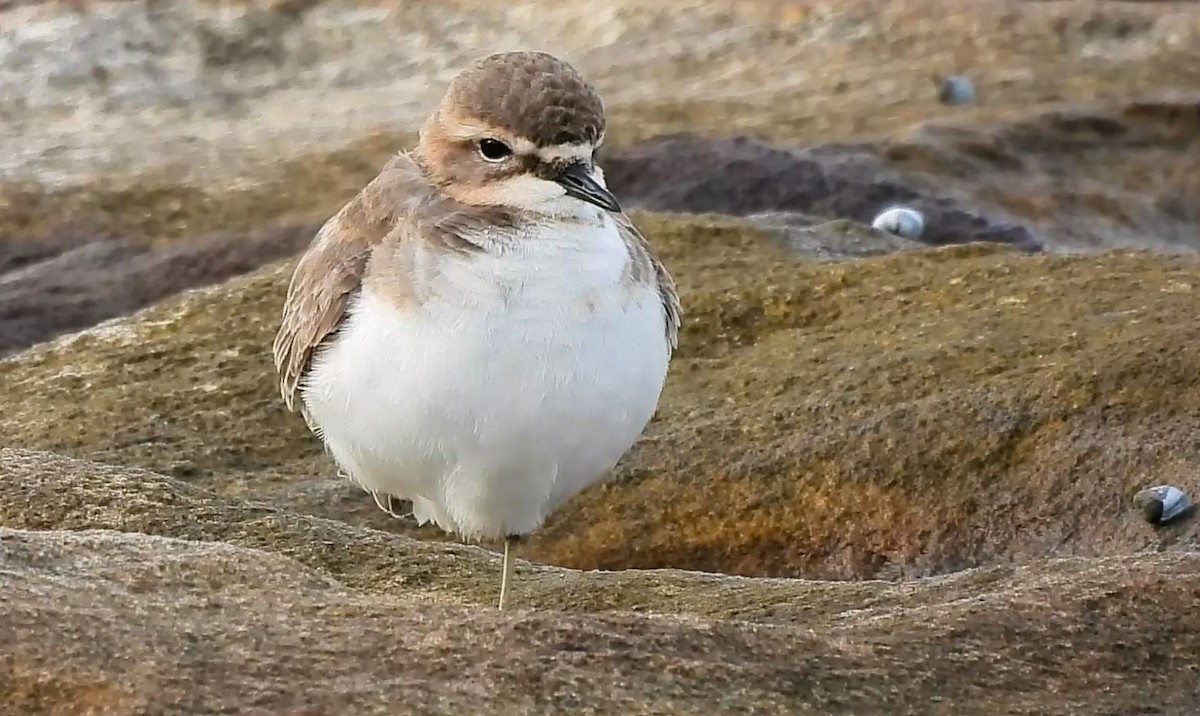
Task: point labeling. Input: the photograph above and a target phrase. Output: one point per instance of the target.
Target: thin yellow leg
(506, 576)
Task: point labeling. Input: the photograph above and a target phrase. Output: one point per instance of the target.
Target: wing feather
(644, 258)
(332, 270)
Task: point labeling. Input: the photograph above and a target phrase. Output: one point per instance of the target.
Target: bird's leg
(506, 576)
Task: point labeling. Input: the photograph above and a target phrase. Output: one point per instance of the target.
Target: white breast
(519, 381)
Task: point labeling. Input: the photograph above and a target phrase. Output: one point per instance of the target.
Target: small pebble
(901, 221)
(956, 89)
(1162, 504)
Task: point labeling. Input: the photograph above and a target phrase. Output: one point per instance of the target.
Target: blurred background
(1073, 124)
(1047, 125)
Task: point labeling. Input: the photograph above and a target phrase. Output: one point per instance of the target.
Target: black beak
(579, 183)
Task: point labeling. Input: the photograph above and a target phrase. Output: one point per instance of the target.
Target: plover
(482, 330)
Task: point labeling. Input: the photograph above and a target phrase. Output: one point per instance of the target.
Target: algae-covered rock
(972, 413)
(908, 414)
(123, 592)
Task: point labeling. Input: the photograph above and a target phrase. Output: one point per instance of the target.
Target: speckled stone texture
(125, 592)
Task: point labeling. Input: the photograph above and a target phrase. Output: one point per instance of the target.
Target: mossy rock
(902, 415)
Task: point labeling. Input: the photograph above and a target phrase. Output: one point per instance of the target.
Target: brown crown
(532, 94)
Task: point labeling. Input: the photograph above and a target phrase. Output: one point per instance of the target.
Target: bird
(482, 330)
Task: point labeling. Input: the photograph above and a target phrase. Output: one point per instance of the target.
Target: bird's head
(518, 129)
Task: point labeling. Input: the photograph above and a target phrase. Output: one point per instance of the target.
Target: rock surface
(740, 176)
(900, 415)
(280, 78)
(62, 288)
(201, 604)
(969, 421)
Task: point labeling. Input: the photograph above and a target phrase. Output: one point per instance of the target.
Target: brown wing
(645, 262)
(332, 269)
(670, 301)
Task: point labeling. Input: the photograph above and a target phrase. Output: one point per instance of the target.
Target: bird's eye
(493, 150)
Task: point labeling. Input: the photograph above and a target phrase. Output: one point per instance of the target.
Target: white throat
(549, 199)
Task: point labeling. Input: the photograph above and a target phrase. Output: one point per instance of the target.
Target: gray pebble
(956, 89)
(1162, 504)
(902, 221)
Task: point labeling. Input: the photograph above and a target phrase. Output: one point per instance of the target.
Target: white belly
(489, 413)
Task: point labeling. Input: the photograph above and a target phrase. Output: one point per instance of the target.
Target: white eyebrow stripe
(460, 128)
(523, 146)
(569, 152)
